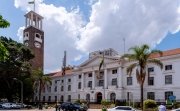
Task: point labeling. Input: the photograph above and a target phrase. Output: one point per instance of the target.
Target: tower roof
(29, 13)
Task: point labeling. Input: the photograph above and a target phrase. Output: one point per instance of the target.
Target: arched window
(113, 97)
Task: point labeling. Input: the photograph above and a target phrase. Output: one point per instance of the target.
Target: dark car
(67, 106)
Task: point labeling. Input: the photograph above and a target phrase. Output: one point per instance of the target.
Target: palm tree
(141, 58)
(40, 81)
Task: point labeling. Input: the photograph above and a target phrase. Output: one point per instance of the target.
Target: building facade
(81, 82)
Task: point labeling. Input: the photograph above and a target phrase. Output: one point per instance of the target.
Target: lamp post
(21, 88)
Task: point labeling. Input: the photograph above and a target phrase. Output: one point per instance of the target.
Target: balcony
(98, 87)
(112, 86)
(88, 88)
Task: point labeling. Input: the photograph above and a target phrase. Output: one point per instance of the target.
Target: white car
(122, 108)
(176, 109)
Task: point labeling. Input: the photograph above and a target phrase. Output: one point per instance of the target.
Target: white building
(114, 83)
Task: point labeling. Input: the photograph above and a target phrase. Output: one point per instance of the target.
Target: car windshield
(124, 108)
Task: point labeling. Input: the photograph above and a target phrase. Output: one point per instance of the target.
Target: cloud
(61, 30)
(20, 33)
(137, 21)
(110, 21)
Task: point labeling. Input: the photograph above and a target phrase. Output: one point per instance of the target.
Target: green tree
(15, 66)
(3, 22)
(40, 81)
(3, 51)
(141, 58)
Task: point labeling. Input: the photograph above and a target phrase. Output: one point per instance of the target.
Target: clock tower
(33, 37)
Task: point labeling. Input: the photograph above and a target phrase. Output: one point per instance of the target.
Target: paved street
(52, 109)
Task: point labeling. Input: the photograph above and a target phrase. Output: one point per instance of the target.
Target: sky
(83, 26)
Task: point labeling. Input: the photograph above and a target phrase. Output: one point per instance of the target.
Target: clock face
(37, 45)
(26, 44)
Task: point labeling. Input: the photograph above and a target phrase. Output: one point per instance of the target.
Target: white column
(93, 79)
(41, 25)
(105, 78)
(36, 23)
(82, 81)
(31, 19)
(119, 79)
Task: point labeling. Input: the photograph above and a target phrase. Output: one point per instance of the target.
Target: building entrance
(99, 97)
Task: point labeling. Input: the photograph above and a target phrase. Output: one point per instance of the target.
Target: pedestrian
(162, 107)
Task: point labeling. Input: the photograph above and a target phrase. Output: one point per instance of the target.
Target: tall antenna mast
(64, 64)
(124, 45)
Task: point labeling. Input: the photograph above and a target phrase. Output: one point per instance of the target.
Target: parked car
(7, 105)
(67, 106)
(176, 109)
(122, 108)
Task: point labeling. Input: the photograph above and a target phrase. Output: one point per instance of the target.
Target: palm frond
(157, 51)
(130, 68)
(156, 62)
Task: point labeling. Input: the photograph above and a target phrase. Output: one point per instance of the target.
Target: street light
(21, 88)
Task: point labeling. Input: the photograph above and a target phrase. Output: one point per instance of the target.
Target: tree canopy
(16, 65)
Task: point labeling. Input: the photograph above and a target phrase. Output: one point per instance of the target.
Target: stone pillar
(82, 81)
(93, 80)
(31, 19)
(36, 23)
(41, 25)
(105, 79)
(119, 79)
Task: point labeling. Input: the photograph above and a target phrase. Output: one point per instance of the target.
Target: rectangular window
(114, 71)
(62, 81)
(168, 79)
(151, 95)
(90, 84)
(151, 81)
(49, 99)
(167, 94)
(62, 88)
(114, 81)
(101, 74)
(90, 75)
(69, 98)
(49, 89)
(129, 80)
(168, 67)
(79, 85)
(79, 76)
(69, 87)
(44, 98)
(69, 80)
(55, 98)
(151, 69)
(101, 82)
(55, 89)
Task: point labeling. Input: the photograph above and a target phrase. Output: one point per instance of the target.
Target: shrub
(78, 101)
(105, 102)
(120, 103)
(149, 104)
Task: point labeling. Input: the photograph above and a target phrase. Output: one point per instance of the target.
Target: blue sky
(82, 26)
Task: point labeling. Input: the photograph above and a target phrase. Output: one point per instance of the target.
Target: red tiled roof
(166, 53)
(58, 74)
